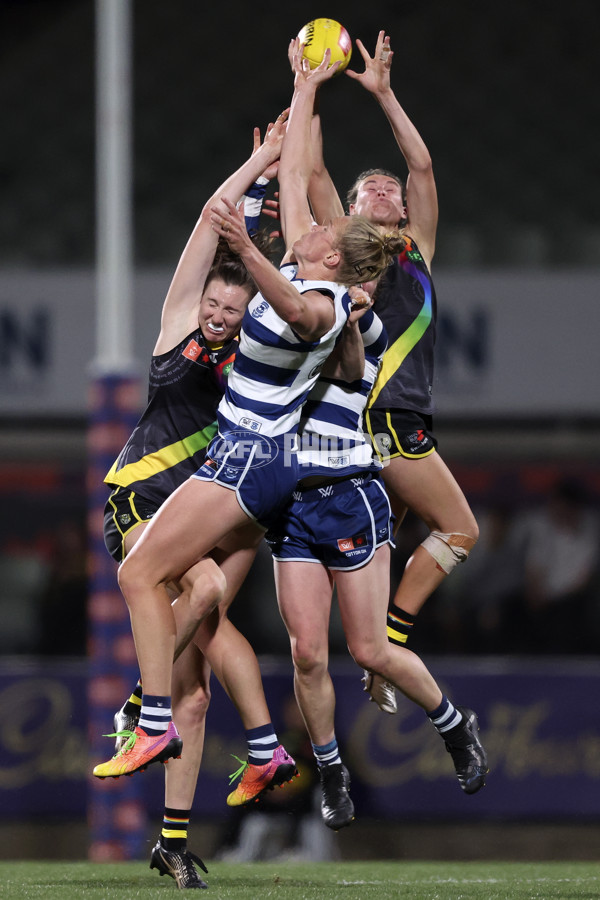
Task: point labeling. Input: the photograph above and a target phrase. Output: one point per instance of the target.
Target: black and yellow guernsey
(406, 304)
(169, 442)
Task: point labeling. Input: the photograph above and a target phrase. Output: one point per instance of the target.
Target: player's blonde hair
(365, 251)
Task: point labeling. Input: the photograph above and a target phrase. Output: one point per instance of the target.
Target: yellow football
(322, 34)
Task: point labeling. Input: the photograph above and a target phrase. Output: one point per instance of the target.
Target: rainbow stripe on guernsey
(331, 429)
(399, 350)
(275, 369)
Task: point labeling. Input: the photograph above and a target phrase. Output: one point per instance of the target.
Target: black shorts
(123, 512)
(400, 432)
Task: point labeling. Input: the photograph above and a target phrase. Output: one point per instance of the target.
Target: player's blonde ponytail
(365, 251)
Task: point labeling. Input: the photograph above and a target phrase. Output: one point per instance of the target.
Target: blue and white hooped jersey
(331, 435)
(274, 369)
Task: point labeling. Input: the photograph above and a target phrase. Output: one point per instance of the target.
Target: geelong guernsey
(405, 302)
(168, 443)
(274, 368)
(332, 441)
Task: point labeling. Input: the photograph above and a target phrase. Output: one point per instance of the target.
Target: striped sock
(156, 714)
(399, 625)
(132, 706)
(262, 744)
(175, 828)
(445, 717)
(327, 754)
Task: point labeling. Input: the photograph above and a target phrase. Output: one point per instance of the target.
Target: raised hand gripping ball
(322, 34)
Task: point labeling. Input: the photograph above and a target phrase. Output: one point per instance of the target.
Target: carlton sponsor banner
(538, 724)
(510, 342)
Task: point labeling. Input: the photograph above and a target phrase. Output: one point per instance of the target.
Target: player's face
(221, 311)
(316, 244)
(379, 199)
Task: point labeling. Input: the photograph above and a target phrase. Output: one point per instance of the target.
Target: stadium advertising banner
(540, 730)
(510, 343)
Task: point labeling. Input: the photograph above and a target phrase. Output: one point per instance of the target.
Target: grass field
(308, 881)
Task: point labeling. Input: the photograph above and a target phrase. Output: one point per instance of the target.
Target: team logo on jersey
(260, 310)
(196, 353)
(250, 424)
(345, 545)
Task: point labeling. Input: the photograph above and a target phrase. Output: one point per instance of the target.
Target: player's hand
(295, 48)
(229, 223)
(361, 302)
(376, 77)
(271, 206)
(272, 143)
(305, 76)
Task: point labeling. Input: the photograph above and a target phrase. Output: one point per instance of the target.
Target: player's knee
(366, 654)
(448, 550)
(308, 657)
(199, 701)
(191, 709)
(130, 578)
(207, 592)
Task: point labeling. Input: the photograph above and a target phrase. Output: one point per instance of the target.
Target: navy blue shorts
(263, 471)
(339, 525)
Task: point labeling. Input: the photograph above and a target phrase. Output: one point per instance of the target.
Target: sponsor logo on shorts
(347, 545)
(417, 442)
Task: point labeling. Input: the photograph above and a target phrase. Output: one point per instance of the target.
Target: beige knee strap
(448, 550)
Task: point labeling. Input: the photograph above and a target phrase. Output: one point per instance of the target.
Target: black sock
(175, 828)
(134, 704)
(399, 625)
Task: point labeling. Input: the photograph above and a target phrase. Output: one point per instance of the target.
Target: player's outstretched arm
(322, 192)
(296, 164)
(180, 309)
(421, 194)
(323, 197)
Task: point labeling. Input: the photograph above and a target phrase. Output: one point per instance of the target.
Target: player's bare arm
(421, 193)
(180, 309)
(310, 314)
